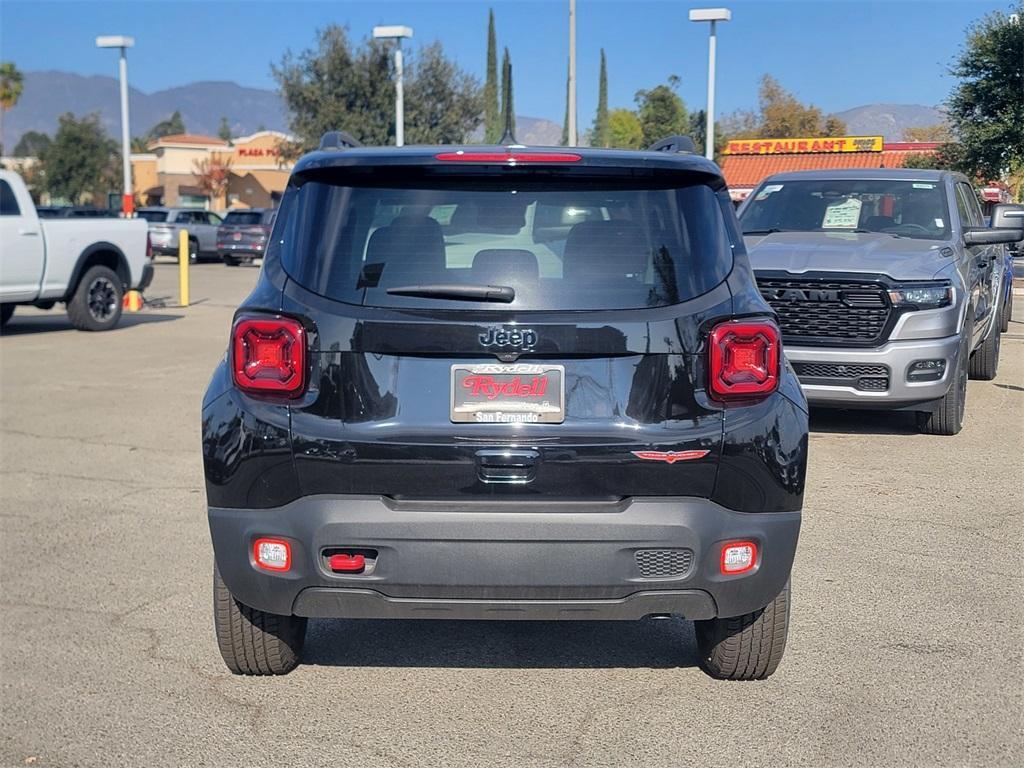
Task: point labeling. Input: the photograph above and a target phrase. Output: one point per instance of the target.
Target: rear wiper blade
(770, 231)
(505, 294)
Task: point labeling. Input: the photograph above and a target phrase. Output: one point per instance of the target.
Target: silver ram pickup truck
(888, 286)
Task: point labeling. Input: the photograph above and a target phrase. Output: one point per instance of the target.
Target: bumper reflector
(738, 557)
(272, 554)
(347, 563)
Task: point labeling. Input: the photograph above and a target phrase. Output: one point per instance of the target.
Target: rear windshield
(914, 209)
(557, 245)
(243, 218)
(153, 216)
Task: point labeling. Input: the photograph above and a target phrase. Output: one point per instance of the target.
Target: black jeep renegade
(504, 383)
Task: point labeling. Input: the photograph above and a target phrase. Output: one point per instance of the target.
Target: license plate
(237, 236)
(520, 393)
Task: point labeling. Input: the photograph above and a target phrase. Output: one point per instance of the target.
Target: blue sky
(834, 54)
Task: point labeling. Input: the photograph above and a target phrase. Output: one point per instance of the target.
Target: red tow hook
(347, 563)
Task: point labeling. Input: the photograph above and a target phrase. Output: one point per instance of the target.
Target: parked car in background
(504, 383)
(166, 223)
(243, 235)
(86, 263)
(73, 212)
(889, 289)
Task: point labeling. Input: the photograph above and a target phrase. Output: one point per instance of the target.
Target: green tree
(938, 132)
(624, 129)
(172, 126)
(508, 109)
(784, 116)
(336, 86)
(601, 137)
(224, 130)
(443, 102)
(661, 112)
(82, 162)
(492, 111)
(12, 84)
(31, 144)
(986, 108)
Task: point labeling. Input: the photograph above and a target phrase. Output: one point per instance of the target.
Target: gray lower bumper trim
(369, 604)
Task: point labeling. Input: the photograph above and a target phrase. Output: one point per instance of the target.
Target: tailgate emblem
(524, 338)
(670, 457)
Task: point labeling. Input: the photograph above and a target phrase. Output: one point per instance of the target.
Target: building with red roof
(747, 162)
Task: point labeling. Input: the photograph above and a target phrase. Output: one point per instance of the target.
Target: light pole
(713, 15)
(123, 43)
(571, 127)
(396, 34)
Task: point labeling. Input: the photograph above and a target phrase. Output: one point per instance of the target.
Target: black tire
(1004, 321)
(947, 414)
(96, 302)
(231, 261)
(6, 311)
(193, 250)
(254, 642)
(984, 363)
(747, 647)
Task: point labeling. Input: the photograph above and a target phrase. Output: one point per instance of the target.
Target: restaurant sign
(803, 146)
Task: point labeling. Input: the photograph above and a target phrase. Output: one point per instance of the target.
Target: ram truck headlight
(922, 296)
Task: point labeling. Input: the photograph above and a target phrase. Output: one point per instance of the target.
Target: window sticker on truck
(763, 194)
(842, 215)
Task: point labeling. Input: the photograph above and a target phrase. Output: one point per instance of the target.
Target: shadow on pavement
(834, 421)
(651, 643)
(58, 321)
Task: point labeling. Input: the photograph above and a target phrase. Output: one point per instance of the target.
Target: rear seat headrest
(502, 266)
(605, 250)
(411, 247)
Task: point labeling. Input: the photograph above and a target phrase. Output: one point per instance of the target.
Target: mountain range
(47, 95)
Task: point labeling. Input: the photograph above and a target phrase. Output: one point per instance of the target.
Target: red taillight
(149, 247)
(744, 360)
(269, 356)
(510, 157)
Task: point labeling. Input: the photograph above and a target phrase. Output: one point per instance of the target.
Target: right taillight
(269, 356)
(745, 358)
(149, 247)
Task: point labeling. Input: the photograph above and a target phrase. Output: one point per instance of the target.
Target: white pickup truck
(87, 264)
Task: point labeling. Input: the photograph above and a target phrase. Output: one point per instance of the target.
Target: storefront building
(747, 162)
(171, 172)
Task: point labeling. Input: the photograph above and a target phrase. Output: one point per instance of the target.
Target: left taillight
(269, 356)
(744, 360)
(149, 247)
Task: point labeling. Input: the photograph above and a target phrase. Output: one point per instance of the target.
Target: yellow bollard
(183, 266)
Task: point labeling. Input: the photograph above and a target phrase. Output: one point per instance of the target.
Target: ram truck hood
(871, 253)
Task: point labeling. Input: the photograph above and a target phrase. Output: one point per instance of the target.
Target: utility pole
(123, 43)
(397, 34)
(713, 15)
(573, 139)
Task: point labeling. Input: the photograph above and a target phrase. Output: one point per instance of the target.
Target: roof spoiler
(339, 140)
(674, 144)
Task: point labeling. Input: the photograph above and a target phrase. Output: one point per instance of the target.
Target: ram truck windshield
(912, 209)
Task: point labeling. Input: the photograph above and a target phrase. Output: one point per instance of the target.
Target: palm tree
(11, 86)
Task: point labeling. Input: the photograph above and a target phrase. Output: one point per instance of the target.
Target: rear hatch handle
(503, 465)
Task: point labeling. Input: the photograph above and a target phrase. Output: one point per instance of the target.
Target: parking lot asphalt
(905, 646)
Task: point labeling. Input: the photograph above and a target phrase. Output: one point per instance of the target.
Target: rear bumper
(897, 356)
(240, 250)
(147, 277)
(537, 560)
